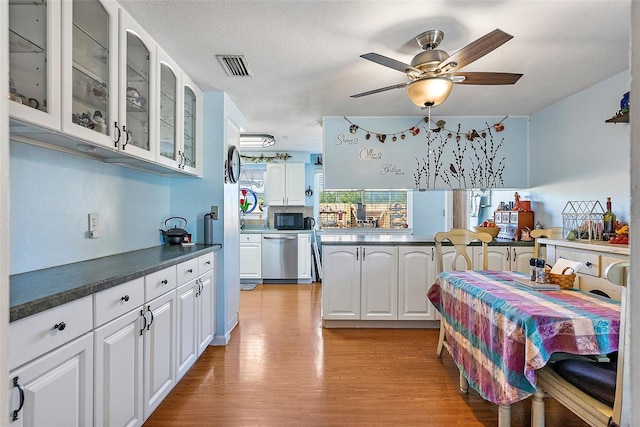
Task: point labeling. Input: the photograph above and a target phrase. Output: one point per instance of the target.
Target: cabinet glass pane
(190, 127)
(137, 92)
(90, 67)
(27, 53)
(168, 92)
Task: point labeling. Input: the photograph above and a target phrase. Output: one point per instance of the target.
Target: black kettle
(175, 235)
(309, 223)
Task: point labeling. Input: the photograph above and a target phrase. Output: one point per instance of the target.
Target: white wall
(575, 155)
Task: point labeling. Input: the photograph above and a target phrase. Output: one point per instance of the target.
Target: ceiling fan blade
(389, 62)
(382, 89)
(476, 49)
(482, 78)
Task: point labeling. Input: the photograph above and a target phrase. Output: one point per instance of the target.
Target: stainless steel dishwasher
(279, 257)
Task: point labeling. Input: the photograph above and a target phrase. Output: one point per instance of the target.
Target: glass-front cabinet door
(191, 132)
(168, 111)
(34, 62)
(137, 76)
(90, 38)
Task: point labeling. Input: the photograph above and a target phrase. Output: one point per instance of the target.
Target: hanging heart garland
(415, 130)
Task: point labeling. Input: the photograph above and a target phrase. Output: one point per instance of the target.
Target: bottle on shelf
(608, 222)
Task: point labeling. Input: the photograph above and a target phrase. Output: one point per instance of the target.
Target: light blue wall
(194, 197)
(52, 194)
(353, 161)
(428, 217)
(575, 155)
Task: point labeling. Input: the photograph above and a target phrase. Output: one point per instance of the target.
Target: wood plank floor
(281, 368)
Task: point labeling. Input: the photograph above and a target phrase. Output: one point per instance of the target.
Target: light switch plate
(214, 212)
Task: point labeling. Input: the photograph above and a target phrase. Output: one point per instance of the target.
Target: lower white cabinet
(341, 282)
(206, 312)
(251, 256)
(159, 350)
(56, 388)
(360, 282)
(195, 321)
(119, 371)
(416, 273)
(109, 359)
(505, 258)
(379, 282)
(304, 256)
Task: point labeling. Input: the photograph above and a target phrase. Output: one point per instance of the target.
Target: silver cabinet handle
(357, 254)
(364, 253)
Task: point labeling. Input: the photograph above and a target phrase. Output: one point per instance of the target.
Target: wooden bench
(591, 410)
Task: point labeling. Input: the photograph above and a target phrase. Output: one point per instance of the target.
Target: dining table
(499, 331)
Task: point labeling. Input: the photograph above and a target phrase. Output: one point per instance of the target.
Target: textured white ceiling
(306, 64)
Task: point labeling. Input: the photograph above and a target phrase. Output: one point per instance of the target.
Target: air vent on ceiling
(235, 65)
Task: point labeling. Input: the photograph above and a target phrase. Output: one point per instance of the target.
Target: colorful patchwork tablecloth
(500, 332)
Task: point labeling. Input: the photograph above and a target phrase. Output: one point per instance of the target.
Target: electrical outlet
(93, 222)
(214, 212)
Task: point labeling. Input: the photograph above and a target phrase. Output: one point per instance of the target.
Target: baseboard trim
(389, 324)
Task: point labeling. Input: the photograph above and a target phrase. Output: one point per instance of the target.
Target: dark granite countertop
(40, 290)
(400, 240)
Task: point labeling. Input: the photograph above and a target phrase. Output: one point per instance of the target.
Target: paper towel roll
(560, 267)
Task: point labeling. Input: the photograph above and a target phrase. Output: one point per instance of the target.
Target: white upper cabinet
(90, 77)
(285, 184)
(168, 100)
(34, 62)
(191, 133)
(136, 108)
(179, 103)
(84, 75)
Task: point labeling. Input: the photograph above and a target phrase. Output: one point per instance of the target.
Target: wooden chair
(460, 239)
(551, 233)
(593, 411)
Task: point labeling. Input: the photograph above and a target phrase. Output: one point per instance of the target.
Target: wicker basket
(565, 281)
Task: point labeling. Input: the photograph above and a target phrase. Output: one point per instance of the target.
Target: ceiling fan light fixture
(429, 91)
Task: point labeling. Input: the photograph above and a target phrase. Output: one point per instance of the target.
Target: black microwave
(288, 221)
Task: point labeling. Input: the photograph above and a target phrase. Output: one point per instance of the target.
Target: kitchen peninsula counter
(40, 290)
(401, 240)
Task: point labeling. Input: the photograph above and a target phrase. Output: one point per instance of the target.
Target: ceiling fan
(433, 72)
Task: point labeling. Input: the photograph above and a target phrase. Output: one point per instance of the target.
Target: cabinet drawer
(116, 301)
(250, 238)
(187, 270)
(590, 261)
(205, 263)
(35, 335)
(156, 284)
